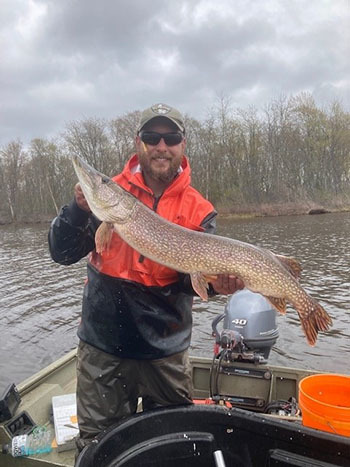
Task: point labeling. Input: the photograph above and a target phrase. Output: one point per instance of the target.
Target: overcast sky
(65, 60)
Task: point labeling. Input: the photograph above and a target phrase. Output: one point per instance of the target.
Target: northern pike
(200, 254)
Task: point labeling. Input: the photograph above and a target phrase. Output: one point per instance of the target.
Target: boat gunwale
(37, 378)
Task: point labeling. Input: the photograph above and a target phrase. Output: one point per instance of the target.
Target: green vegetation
(290, 153)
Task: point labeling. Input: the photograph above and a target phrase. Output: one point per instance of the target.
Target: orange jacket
(180, 203)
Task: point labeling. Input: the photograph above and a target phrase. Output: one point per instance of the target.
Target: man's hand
(225, 283)
(80, 198)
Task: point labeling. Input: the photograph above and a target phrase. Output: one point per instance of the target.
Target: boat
(241, 401)
(250, 388)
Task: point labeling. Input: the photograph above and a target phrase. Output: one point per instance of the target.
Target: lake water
(40, 301)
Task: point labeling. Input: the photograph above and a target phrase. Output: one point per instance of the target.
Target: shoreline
(292, 208)
(236, 212)
(281, 209)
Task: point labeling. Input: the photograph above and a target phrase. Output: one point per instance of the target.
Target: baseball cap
(162, 110)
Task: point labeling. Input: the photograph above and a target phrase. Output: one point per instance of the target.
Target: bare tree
(43, 174)
(122, 133)
(12, 158)
(89, 139)
(293, 151)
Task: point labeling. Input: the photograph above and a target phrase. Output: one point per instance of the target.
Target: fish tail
(314, 320)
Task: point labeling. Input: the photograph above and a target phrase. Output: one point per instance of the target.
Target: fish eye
(105, 180)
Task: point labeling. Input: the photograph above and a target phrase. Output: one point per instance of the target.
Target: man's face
(160, 162)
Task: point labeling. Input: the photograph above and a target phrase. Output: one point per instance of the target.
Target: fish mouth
(87, 175)
(81, 165)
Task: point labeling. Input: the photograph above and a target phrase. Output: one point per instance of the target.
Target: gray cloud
(71, 59)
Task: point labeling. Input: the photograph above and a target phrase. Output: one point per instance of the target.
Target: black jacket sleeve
(209, 223)
(72, 234)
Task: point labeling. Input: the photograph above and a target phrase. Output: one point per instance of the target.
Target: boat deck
(251, 386)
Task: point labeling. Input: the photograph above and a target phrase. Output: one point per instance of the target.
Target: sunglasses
(153, 138)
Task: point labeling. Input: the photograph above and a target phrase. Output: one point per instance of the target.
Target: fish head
(107, 200)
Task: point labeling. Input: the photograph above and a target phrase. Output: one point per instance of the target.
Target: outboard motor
(249, 328)
(239, 375)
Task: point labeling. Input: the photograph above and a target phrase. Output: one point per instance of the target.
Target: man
(136, 315)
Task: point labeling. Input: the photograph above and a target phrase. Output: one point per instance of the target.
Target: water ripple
(40, 301)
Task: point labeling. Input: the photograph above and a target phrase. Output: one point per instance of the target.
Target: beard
(164, 176)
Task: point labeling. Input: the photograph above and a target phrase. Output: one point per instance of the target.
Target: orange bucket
(324, 400)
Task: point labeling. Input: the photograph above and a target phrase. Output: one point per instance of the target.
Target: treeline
(290, 151)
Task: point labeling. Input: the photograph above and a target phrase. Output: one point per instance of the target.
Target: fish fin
(291, 264)
(278, 303)
(103, 237)
(200, 285)
(210, 277)
(316, 319)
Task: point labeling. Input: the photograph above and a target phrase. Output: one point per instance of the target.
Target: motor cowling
(249, 327)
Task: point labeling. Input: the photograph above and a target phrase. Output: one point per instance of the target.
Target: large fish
(197, 253)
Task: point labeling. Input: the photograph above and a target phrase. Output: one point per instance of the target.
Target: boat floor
(265, 383)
